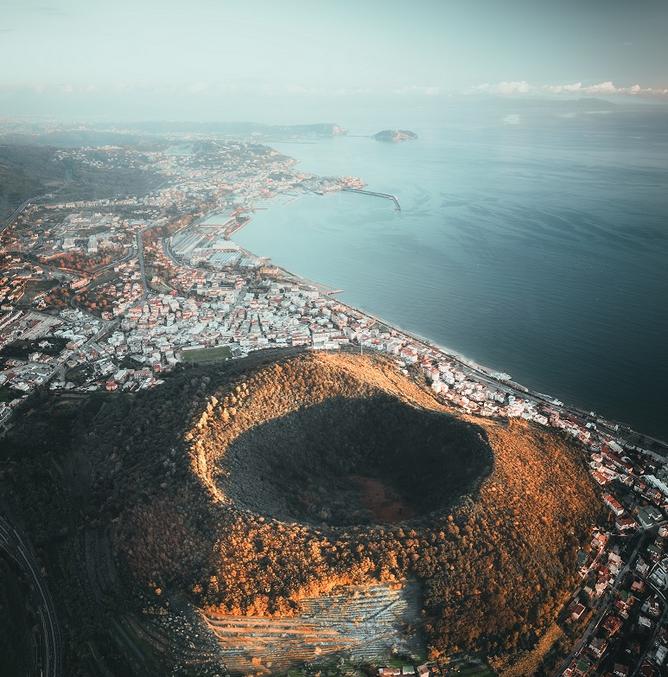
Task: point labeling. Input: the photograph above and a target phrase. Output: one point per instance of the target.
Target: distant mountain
(29, 171)
(75, 138)
(594, 103)
(395, 135)
(22, 175)
(318, 130)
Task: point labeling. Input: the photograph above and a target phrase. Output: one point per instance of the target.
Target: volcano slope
(284, 482)
(274, 510)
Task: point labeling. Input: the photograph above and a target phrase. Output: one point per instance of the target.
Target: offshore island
(212, 466)
(395, 135)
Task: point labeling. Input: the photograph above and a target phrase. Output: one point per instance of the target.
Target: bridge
(387, 196)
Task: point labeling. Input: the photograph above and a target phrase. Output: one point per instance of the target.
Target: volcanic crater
(353, 460)
(275, 482)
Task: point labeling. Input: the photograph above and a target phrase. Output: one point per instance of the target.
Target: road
(482, 375)
(20, 208)
(139, 245)
(167, 250)
(140, 256)
(116, 262)
(17, 548)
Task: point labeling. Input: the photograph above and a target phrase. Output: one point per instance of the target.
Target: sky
(234, 59)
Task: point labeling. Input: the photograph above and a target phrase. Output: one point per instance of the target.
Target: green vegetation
(395, 135)
(472, 670)
(29, 171)
(529, 515)
(8, 394)
(207, 355)
(16, 621)
(128, 502)
(22, 348)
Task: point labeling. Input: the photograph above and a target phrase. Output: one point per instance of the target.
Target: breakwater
(387, 196)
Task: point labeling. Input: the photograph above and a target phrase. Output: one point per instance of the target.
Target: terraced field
(366, 622)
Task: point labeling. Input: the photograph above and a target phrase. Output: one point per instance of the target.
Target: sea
(534, 244)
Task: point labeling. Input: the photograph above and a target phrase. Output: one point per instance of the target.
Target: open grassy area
(205, 355)
(474, 670)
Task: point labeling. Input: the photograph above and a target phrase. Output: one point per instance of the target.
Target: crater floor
(352, 460)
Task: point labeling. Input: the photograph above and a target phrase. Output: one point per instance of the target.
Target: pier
(387, 196)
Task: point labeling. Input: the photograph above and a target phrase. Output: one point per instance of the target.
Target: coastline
(327, 289)
(481, 373)
(485, 373)
(330, 290)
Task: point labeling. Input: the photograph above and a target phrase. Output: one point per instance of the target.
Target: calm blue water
(537, 248)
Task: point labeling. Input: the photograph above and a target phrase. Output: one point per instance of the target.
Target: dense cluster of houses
(621, 603)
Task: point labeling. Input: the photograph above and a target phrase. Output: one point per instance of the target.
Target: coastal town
(115, 294)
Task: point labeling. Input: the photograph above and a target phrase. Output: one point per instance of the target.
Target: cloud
(512, 119)
(605, 88)
(504, 88)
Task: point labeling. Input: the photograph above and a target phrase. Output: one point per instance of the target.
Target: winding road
(17, 548)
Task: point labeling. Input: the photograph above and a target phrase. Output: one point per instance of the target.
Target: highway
(14, 545)
(19, 209)
(116, 262)
(140, 255)
(167, 250)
